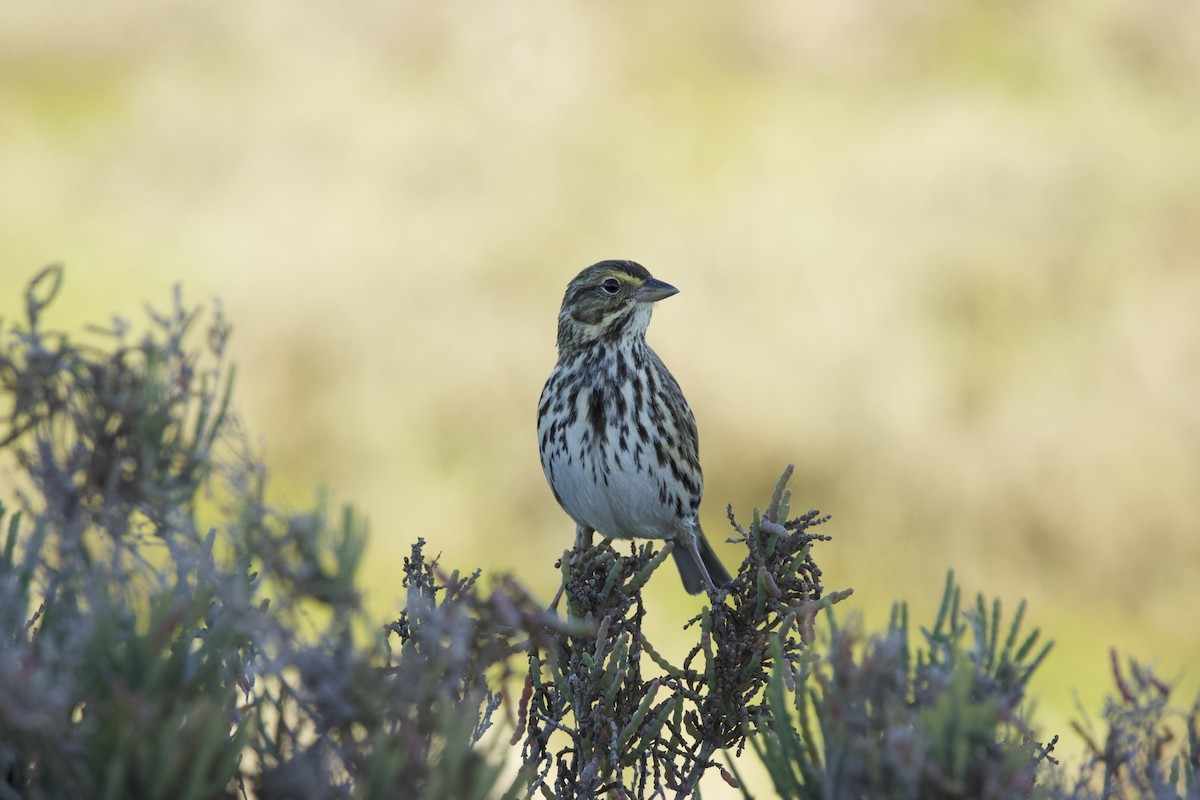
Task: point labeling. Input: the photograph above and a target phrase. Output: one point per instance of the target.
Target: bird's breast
(605, 458)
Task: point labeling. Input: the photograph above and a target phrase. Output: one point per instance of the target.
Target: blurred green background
(940, 255)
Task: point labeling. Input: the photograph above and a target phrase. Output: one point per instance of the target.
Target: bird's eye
(611, 286)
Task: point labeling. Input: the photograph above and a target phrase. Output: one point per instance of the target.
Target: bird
(617, 439)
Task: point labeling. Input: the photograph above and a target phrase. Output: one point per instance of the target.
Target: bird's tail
(686, 559)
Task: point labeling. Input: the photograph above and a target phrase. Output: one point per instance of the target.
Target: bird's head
(608, 301)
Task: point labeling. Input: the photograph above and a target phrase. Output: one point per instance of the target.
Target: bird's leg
(583, 537)
(694, 549)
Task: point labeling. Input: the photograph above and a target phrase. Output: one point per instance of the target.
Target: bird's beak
(653, 290)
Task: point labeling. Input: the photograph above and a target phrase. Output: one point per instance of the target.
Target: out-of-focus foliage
(145, 655)
(949, 716)
(1150, 748)
(945, 717)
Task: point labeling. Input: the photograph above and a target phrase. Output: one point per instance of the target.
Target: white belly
(601, 442)
(622, 503)
(616, 491)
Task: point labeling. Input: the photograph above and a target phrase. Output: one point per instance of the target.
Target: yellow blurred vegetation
(941, 255)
